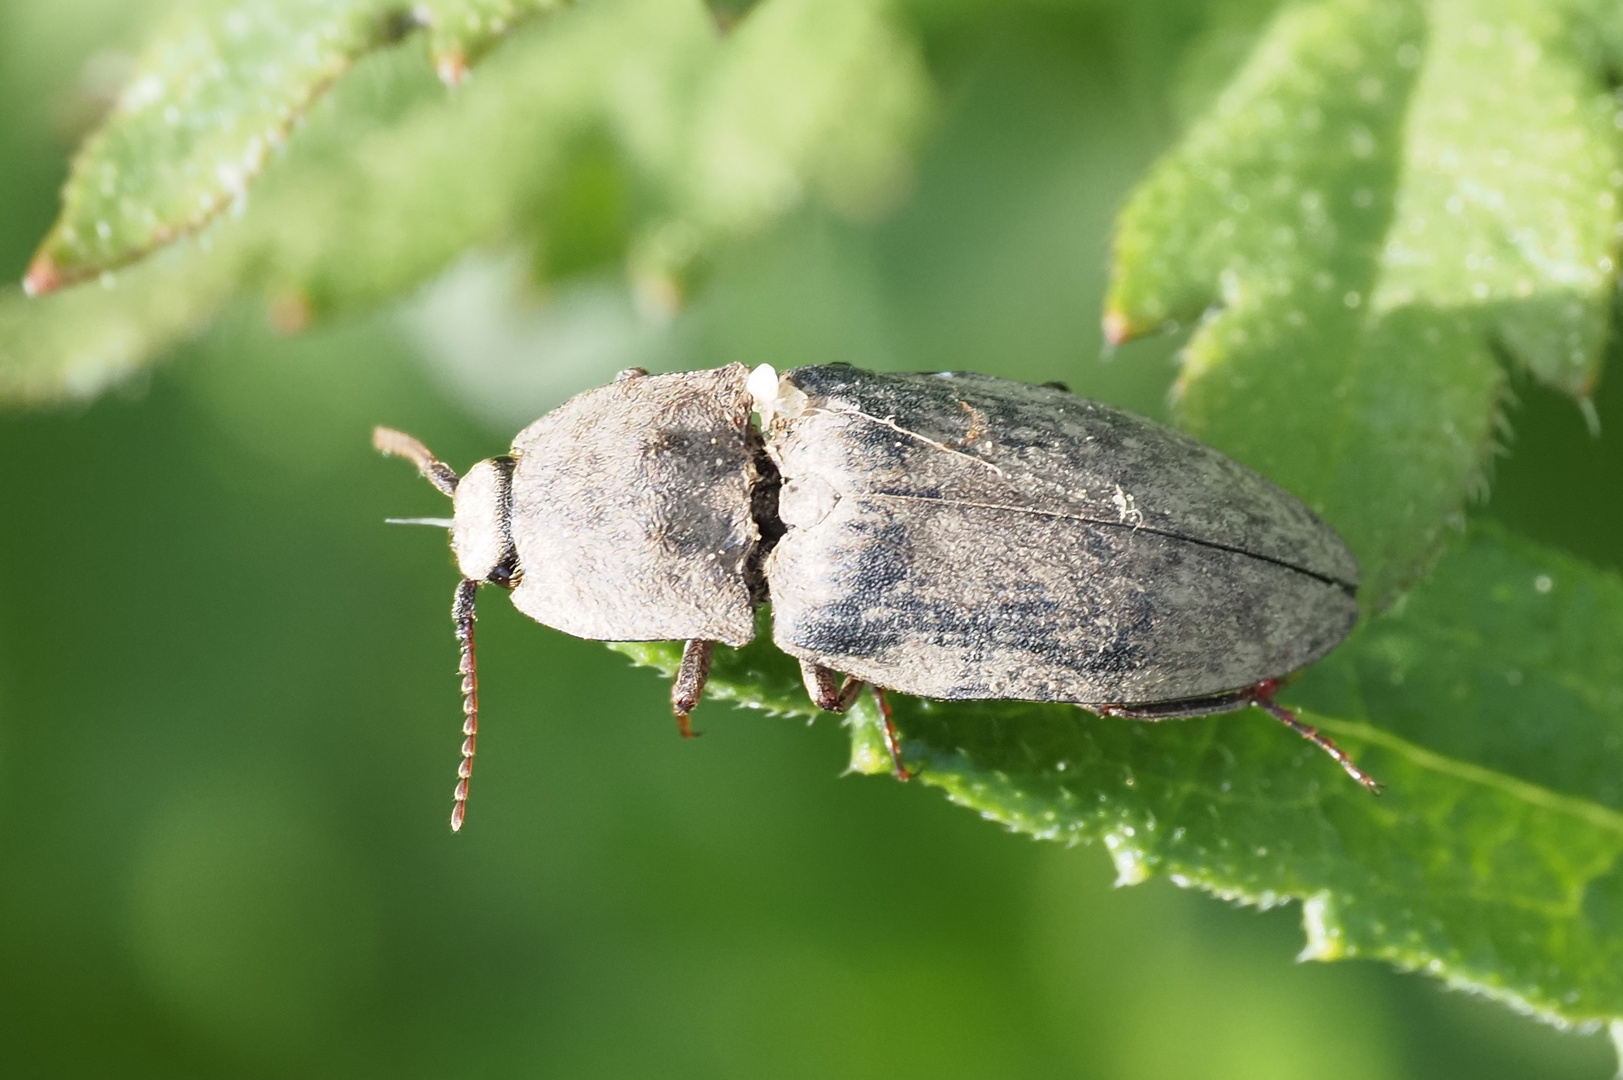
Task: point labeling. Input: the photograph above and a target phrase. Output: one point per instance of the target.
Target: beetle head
(482, 538)
(482, 534)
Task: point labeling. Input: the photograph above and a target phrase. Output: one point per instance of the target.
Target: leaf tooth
(452, 67)
(1322, 926)
(43, 277)
(1132, 861)
(1118, 328)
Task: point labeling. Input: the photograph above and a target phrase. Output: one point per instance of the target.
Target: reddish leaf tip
(1117, 328)
(452, 68)
(42, 278)
(289, 314)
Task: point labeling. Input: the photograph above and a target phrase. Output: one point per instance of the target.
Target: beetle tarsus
(688, 687)
(1262, 696)
(462, 615)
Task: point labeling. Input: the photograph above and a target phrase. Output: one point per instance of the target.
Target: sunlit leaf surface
(622, 130)
(1488, 703)
(1388, 200)
(219, 89)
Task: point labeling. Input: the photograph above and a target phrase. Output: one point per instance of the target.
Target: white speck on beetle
(1127, 508)
(773, 396)
(1543, 583)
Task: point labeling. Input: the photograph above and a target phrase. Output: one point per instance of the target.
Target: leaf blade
(1378, 207)
(390, 180)
(1485, 863)
(217, 92)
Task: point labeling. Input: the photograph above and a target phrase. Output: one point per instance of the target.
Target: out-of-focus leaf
(728, 12)
(74, 344)
(705, 138)
(220, 87)
(1490, 702)
(1388, 195)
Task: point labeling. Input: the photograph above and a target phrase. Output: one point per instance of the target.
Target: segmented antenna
(462, 616)
(399, 444)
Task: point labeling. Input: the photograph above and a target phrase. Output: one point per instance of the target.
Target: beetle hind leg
(688, 687)
(827, 692)
(1262, 696)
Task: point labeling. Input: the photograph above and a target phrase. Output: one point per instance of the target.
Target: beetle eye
(506, 573)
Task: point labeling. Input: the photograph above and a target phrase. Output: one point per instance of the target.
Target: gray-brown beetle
(949, 535)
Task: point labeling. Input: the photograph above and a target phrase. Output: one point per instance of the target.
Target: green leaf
(1387, 197)
(221, 86)
(73, 344)
(691, 139)
(1490, 702)
(728, 12)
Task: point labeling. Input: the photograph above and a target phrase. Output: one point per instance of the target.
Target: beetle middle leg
(688, 687)
(827, 692)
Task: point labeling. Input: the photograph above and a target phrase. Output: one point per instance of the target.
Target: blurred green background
(228, 708)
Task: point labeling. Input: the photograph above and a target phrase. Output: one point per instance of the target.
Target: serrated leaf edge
(44, 276)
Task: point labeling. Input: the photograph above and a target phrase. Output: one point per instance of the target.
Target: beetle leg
(1177, 710)
(827, 693)
(1262, 696)
(824, 688)
(688, 686)
(893, 738)
(462, 616)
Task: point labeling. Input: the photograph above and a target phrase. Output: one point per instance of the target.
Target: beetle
(945, 535)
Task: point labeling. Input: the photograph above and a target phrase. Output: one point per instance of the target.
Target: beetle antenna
(462, 616)
(392, 443)
(1263, 697)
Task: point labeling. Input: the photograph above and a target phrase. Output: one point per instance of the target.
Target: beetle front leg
(826, 692)
(688, 687)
